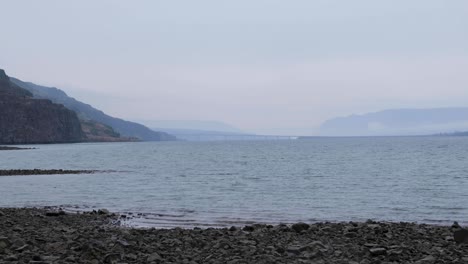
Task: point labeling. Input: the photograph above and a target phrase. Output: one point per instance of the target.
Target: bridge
(231, 137)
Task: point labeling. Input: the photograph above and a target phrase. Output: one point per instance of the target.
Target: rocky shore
(44, 236)
(12, 148)
(43, 172)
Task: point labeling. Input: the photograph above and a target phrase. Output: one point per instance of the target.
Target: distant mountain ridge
(399, 122)
(87, 112)
(180, 131)
(198, 125)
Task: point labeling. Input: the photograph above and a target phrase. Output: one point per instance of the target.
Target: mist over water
(187, 184)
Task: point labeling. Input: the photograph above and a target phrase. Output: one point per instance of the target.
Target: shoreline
(49, 235)
(22, 172)
(13, 148)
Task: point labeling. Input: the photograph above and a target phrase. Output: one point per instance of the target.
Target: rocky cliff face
(88, 113)
(24, 120)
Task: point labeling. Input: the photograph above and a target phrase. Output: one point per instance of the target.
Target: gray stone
(11, 258)
(248, 228)
(298, 227)
(426, 260)
(378, 251)
(154, 257)
(461, 236)
(350, 234)
(4, 242)
(22, 248)
(294, 249)
(371, 245)
(112, 258)
(103, 211)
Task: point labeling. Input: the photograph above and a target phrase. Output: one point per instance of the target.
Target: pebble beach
(49, 235)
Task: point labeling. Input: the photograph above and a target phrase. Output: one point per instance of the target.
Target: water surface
(422, 179)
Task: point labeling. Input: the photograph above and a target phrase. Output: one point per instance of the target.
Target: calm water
(421, 179)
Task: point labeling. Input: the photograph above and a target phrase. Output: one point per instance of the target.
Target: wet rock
(378, 251)
(461, 236)
(58, 213)
(298, 227)
(131, 257)
(371, 245)
(350, 234)
(11, 258)
(43, 172)
(280, 251)
(248, 228)
(316, 244)
(112, 258)
(427, 260)
(18, 229)
(103, 211)
(294, 249)
(22, 248)
(154, 257)
(311, 255)
(4, 242)
(123, 243)
(12, 148)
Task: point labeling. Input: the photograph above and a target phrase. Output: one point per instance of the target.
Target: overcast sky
(265, 66)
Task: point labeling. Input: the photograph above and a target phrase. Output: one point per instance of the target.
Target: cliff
(24, 120)
(88, 113)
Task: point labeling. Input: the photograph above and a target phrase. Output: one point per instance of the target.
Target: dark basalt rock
(25, 120)
(300, 227)
(12, 148)
(248, 228)
(378, 251)
(55, 213)
(460, 235)
(43, 172)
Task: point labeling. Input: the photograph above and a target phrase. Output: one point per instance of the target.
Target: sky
(263, 66)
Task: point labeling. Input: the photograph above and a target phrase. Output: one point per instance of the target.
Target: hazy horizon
(268, 67)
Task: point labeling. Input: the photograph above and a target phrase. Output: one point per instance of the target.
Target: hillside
(25, 120)
(98, 132)
(199, 125)
(88, 113)
(199, 135)
(399, 122)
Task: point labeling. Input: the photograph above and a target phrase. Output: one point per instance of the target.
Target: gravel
(52, 236)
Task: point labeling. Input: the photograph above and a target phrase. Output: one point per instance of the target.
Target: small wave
(219, 174)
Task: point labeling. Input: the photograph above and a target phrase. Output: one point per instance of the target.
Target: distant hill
(98, 132)
(453, 134)
(199, 135)
(26, 120)
(192, 125)
(399, 122)
(88, 113)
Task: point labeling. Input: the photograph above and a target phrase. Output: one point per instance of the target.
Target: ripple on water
(181, 183)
